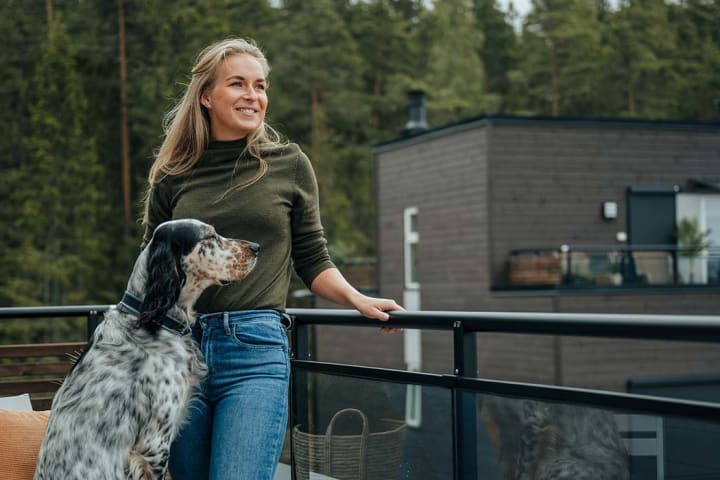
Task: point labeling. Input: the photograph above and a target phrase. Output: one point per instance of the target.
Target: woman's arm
(331, 285)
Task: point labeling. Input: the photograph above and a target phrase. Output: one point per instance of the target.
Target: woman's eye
(261, 87)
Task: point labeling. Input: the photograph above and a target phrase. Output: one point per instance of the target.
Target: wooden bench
(37, 369)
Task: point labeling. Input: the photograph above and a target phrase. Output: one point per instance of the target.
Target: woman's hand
(376, 308)
(331, 285)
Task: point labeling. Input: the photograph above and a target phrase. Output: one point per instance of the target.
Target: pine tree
(696, 61)
(563, 57)
(316, 99)
(456, 76)
(23, 32)
(643, 44)
(60, 256)
(383, 38)
(499, 49)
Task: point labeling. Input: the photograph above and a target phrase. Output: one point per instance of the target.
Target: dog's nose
(254, 247)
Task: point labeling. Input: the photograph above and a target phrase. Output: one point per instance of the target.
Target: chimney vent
(417, 123)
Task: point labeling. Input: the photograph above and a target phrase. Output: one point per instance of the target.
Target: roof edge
(485, 120)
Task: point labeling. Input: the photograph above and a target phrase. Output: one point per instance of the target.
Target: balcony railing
(613, 266)
(471, 428)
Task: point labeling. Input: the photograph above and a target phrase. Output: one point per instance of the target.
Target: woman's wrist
(356, 299)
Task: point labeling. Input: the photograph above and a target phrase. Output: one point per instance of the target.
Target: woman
(222, 164)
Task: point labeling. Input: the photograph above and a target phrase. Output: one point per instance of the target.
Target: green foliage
(499, 48)
(562, 58)
(59, 211)
(696, 60)
(456, 75)
(643, 45)
(690, 238)
(55, 251)
(341, 70)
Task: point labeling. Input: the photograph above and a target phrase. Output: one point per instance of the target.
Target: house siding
(487, 187)
(547, 183)
(446, 180)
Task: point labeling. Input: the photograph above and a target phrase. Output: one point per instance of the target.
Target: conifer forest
(85, 85)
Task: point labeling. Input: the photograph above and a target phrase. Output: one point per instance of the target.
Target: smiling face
(237, 101)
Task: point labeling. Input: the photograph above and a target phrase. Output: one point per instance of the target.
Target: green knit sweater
(280, 212)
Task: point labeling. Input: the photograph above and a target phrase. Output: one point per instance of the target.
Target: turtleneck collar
(227, 144)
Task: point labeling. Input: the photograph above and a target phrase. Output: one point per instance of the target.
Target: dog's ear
(164, 282)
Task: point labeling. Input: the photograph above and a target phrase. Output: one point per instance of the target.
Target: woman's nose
(249, 92)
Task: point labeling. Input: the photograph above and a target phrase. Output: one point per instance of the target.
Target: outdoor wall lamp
(609, 210)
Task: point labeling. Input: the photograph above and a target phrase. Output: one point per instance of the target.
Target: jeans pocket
(259, 335)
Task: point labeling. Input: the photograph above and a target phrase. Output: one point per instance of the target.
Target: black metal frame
(464, 384)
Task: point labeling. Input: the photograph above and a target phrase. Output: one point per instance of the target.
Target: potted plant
(691, 241)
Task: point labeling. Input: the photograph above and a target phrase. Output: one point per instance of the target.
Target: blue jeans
(237, 421)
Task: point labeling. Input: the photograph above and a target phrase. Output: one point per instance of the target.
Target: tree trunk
(554, 80)
(49, 14)
(318, 138)
(123, 119)
(631, 97)
(377, 91)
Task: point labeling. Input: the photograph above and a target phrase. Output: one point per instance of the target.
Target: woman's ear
(205, 100)
(162, 289)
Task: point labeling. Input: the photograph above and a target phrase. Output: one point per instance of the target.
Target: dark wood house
(548, 215)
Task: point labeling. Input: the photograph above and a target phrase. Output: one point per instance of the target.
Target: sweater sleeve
(159, 209)
(309, 247)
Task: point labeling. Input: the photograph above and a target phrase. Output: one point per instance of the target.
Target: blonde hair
(187, 124)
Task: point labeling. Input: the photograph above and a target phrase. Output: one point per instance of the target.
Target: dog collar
(131, 304)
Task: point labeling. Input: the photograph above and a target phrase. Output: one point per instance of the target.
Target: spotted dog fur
(121, 405)
(549, 441)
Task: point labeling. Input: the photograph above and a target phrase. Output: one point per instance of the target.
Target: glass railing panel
(543, 439)
(409, 429)
(650, 268)
(373, 348)
(713, 268)
(617, 268)
(599, 363)
(612, 266)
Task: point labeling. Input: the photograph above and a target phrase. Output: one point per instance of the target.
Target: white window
(411, 239)
(411, 301)
(705, 208)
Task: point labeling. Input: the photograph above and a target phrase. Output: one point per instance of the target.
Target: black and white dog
(124, 400)
(554, 441)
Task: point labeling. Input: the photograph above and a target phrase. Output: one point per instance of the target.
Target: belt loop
(226, 322)
(287, 320)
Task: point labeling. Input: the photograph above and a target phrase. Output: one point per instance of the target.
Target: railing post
(568, 277)
(464, 409)
(93, 320)
(298, 386)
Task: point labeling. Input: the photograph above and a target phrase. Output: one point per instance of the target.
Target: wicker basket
(367, 456)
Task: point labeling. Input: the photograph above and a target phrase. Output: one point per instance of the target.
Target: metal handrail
(52, 312)
(610, 248)
(700, 328)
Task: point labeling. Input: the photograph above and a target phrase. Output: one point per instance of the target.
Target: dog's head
(182, 259)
